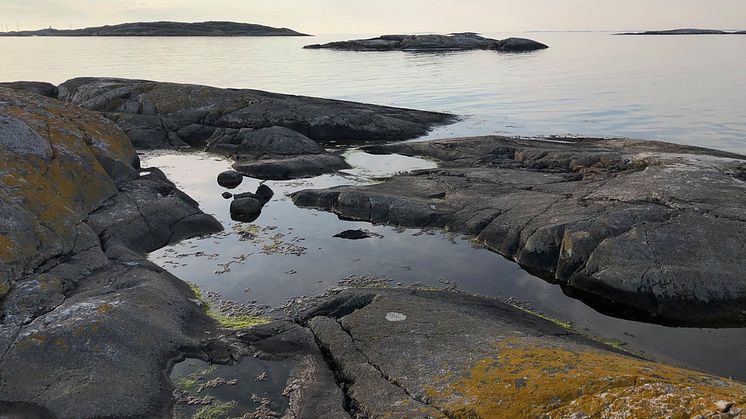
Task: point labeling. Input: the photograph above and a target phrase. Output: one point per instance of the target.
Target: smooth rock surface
(293, 167)
(159, 114)
(230, 179)
(638, 229)
(453, 42)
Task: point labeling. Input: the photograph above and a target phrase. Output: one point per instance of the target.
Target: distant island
(166, 29)
(686, 32)
(463, 41)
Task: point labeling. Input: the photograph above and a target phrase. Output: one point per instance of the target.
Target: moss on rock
(533, 381)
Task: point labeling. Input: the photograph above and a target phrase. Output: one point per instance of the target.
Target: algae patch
(215, 410)
(233, 321)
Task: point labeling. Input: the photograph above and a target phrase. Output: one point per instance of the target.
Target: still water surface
(686, 89)
(680, 89)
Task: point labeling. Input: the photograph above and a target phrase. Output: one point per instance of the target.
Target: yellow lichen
(531, 381)
(104, 308)
(233, 322)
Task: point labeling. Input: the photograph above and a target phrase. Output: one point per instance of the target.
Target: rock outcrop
(437, 354)
(249, 125)
(453, 42)
(639, 229)
(83, 312)
(38, 87)
(166, 29)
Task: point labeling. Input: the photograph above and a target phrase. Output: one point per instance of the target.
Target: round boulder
(230, 179)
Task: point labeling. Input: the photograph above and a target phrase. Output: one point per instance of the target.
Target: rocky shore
(640, 229)
(90, 328)
(166, 29)
(422, 43)
(271, 136)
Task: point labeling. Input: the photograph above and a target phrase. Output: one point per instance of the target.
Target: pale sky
(388, 16)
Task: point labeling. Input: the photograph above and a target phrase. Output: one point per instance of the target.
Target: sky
(388, 16)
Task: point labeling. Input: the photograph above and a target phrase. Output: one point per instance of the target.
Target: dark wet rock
(37, 87)
(685, 32)
(227, 195)
(637, 229)
(356, 234)
(519, 45)
(230, 179)
(264, 192)
(293, 167)
(83, 309)
(453, 42)
(246, 206)
(158, 114)
(407, 353)
(165, 29)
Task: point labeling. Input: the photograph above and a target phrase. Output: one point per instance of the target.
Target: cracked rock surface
(407, 353)
(639, 229)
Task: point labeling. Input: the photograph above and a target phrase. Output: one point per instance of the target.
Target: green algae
(215, 410)
(232, 322)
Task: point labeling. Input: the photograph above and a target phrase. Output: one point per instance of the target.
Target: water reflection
(291, 252)
(679, 89)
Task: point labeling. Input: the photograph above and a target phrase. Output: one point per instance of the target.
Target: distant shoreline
(173, 29)
(686, 32)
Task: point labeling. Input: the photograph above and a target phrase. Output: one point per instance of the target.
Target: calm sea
(686, 89)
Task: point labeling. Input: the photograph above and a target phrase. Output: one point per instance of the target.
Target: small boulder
(230, 179)
(264, 193)
(227, 195)
(246, 205)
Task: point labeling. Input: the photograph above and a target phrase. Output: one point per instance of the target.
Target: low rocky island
(90, 328)
(687, 32)
(165, 29)
(422, 43)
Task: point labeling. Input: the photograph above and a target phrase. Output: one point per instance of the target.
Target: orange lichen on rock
(52, 174)
(525, 380)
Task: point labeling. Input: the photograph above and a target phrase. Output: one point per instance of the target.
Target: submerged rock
(230, 179)
(637, 229)
(453, 42)
(356, 235)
